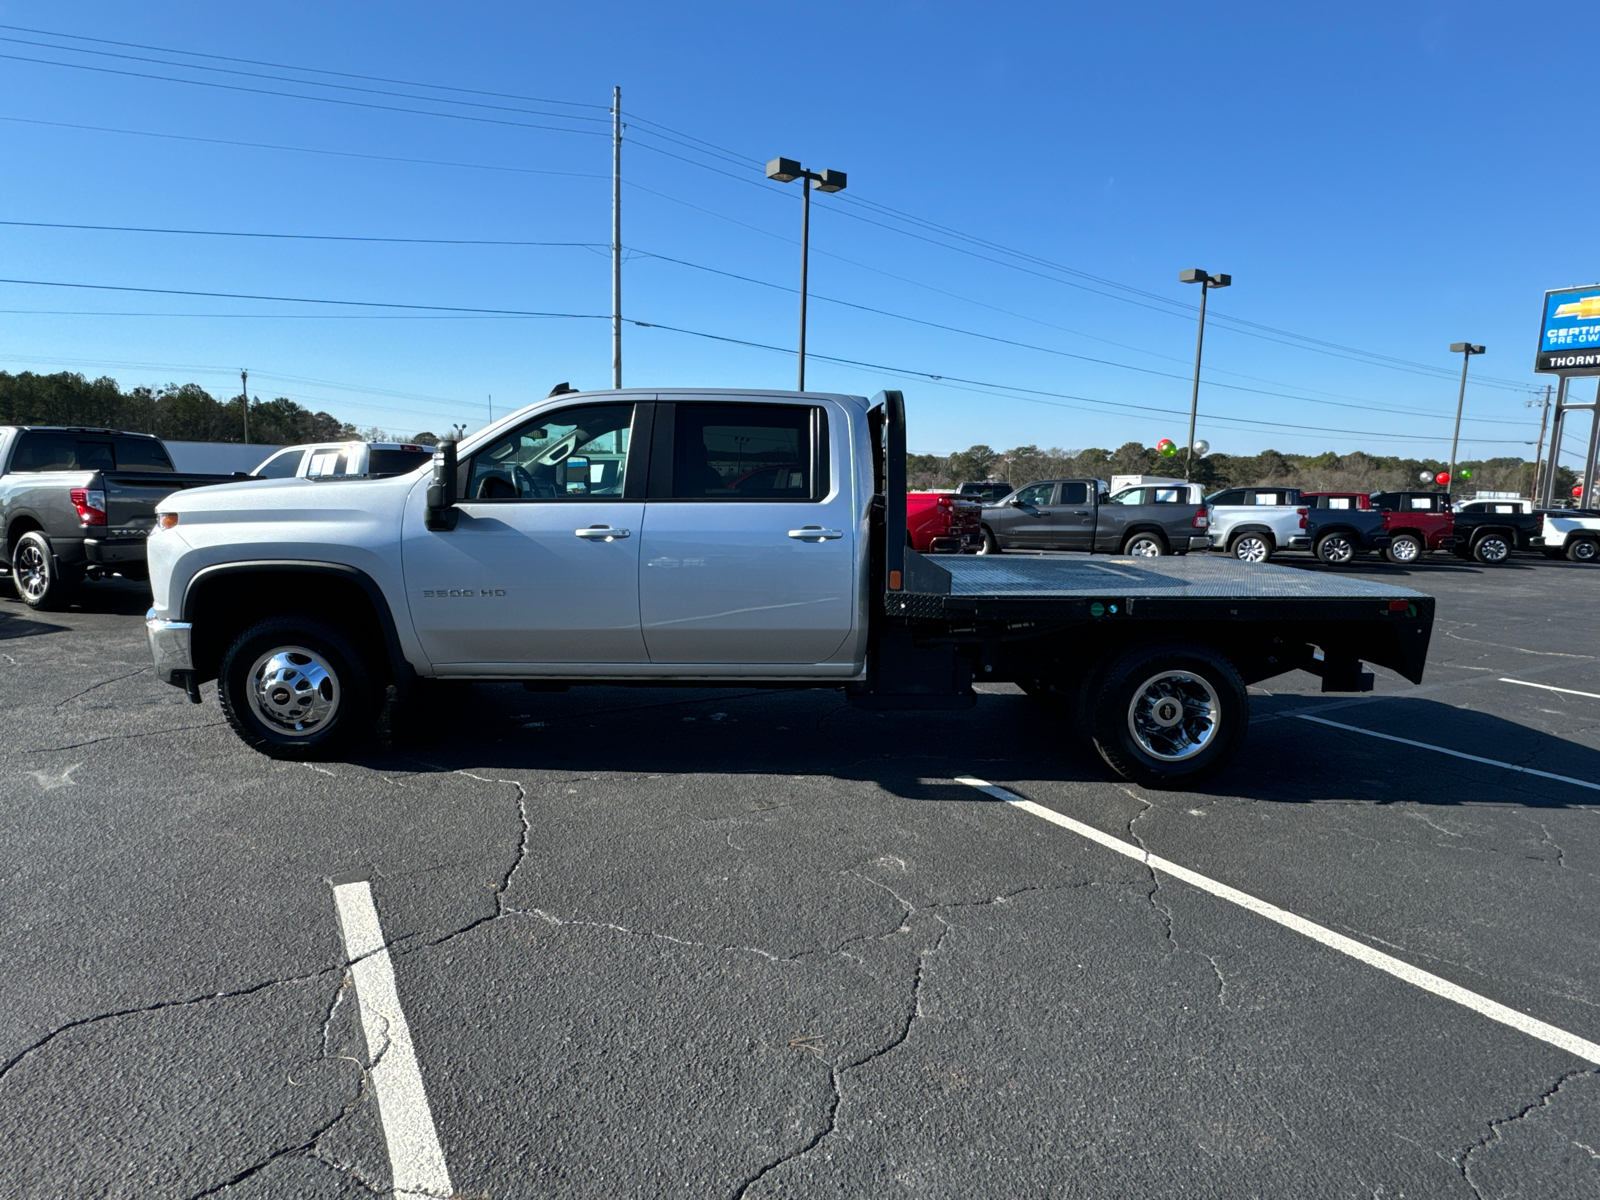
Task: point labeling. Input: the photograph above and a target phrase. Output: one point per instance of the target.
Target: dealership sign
(1569, 337)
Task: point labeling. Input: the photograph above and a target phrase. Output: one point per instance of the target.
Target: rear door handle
(601, 533)
(816, 533)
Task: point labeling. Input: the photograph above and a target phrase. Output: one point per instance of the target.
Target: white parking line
(1495, 1011)
(416, 1160)
(1552, 688)
(1489, 762)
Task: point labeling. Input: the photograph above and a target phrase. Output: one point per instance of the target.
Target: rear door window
(1260, 497)
(141, 454)
(1167, 495)
(1074, 493)
(745, 452)
(396, 462)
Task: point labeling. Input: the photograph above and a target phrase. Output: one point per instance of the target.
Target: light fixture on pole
(1206, 282)
(787, 170)
(1466, 350)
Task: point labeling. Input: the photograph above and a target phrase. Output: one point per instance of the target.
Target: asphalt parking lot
(738, 943)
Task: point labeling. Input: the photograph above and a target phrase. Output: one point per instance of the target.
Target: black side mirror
(442, 491)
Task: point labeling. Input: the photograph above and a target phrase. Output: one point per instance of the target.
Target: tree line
(178, 412)
(1354, 472)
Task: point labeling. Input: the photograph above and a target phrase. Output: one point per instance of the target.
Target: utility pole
(616, 237)
(1538, 453)
(1466, 350)
(244, 384)
(491, 408)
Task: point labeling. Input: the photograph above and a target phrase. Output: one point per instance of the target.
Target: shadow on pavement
(915, 755)
(16, 621)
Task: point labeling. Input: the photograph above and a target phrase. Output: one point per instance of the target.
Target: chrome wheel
(1405, 550)
(1252, 547)
(31, 570)
(1336, 548)
(1145, 546)
(1174, 715)
(1583, 550)
(1493, 549)
(293, 691)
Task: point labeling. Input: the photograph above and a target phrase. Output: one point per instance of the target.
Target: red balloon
(1442, 478)
(1577, 492)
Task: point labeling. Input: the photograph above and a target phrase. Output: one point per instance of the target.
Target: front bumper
(171, 648)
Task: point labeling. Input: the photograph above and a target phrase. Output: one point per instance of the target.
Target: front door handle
(601, 533)
(816, 533)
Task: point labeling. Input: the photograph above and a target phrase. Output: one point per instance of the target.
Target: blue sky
(1388, 178)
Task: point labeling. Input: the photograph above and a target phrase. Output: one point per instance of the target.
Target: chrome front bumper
(170, 648)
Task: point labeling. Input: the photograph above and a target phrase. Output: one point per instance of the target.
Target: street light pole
(805, 262)
(244, 383)
(1466, 350)
(1206, 282)
(616, 238)
(786, 170)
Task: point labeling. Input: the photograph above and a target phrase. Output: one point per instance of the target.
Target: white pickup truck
(647, 537)
(1254, 523)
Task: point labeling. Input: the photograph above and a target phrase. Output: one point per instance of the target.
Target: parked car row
(1153, 517)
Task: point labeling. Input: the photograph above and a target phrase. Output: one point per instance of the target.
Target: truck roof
(79, 429)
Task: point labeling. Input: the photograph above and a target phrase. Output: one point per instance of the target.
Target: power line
(235, 87)
(1062, 353)
(311, 237)
(422, 162)
(290, 67)
(302, 82)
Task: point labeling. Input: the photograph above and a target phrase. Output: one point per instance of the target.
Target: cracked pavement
(758, 944)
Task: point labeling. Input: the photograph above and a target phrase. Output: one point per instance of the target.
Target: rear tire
(1583, 550)
(41, 582)
(1336, 549)
(1492, 550)
(1145, 545)
(1405, 550)
(1252, 547)
(296, 688)
(1168, 715)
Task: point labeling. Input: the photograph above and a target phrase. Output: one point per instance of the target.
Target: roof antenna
(561, 389)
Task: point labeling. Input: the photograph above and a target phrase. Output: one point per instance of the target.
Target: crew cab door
(1019, 523)
(749, 547)
(1069, 520)
(542, 567)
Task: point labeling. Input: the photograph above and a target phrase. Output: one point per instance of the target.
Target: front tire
(1169, 715)
(296, 688)
(1252, 547)
(1583, 550)
(1492, 549)
(990, 544)
(1405, 550)
(39, 579)
(1145, 545)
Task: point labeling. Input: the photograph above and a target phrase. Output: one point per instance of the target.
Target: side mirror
(442, 491)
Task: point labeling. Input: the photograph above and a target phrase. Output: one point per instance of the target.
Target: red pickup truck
(943, 522)
(1417, 523)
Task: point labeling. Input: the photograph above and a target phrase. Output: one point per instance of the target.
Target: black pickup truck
(77, 502)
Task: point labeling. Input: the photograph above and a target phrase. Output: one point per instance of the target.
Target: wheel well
(1138, 529)
(1259, 530)
(19, 527)
(1479, 534)
(224, 604)
(1416, 533)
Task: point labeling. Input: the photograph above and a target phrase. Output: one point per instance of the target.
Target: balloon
(1464, 474)
(1166, 448)
(1442, 478)
(1202, 447)
(1577, 492)
(1426, 477)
